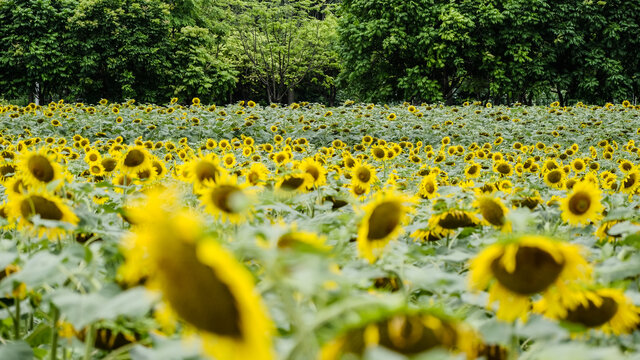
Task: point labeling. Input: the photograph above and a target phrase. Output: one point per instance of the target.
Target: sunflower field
(364, 231)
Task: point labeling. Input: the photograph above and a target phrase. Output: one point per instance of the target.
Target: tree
(280, 43)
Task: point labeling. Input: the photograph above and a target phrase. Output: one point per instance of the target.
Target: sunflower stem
(55, 314)
(88, 344)
(16, 322)
(514, 350)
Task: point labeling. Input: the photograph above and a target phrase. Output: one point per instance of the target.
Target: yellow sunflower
(363, 175)
(315, 169)
(428, 188)
(630, 182)
(446, 223)
(257, 173)
(383, 220)
(170, 249)
(227, 200)
(134, 160)
(473, 170)
(606, 309)
(518, 268)
(295, 182)
(582, 205)
(39, 168)
(493, 211)
(203, 169)
(555, 178)
(48, 207)
(406, 332)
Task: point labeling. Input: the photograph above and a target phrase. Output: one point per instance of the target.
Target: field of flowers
(305, 232)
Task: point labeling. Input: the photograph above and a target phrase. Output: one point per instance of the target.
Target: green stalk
(55, 314)
(16, 321)
(88, 343)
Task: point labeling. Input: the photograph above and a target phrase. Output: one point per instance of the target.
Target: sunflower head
(226, 199)
(39, 203)
(606, 309)
(582, 205)
(169, 248)
(492, 210)
(428, 188)
(39, 168)
(408, 333)
(134, 160)
(383, 220)
(520, 267)
(202, 170)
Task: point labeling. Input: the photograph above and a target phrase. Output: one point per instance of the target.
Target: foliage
(67, 289)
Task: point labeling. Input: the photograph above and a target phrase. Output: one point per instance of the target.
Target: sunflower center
(492, 212)
(454, 220)
(223, 198)
(409, 335)
(196, 293)
(473, 170)
(41, 168)
(629, 181)
(313, 171)
(134, 158)
(93, 157)
(292, 183)
(504, 168)
(535, 270)
(379, 153)
(7, 169)
(364, 174)
(383, 220)
(579, 203)
(429, 187)
(144, 174)
(39, 205)
(592, 315)
(109, 164)
(554, 176)
(206, 171)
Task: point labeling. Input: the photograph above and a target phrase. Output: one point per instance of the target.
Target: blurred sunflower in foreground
(605, 309)
(383, 220)
(200, 282)
(408, 333)
(518, 268)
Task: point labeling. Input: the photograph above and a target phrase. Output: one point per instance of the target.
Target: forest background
(280, 51)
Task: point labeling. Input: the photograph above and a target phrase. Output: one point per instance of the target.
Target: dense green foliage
(505, 51)
(281, 51)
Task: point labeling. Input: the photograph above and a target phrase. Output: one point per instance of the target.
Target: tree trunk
(292, 96)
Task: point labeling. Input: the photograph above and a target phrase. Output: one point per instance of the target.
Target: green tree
(280, 43)
(33, 48)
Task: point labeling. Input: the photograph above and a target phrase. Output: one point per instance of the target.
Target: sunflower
(379, 152)
(93, 156)
(134, 160)
(447, 222)
(47, 207)
(406, 332)
(363, 175)
(582, 205)
(301, 241)
(503, 168)
(606, 309)
(493, 211)
(7, 170)
(297, 181)
(473, 170)
(227, 200)
(203, 169)
(256, 174)
(229, 160)
(169, 249)
(315, 169)
(383, 220)
(38, 169)
(630, 182)
(428, 188)
(578, 165)
(555, 178)
(518, 268)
